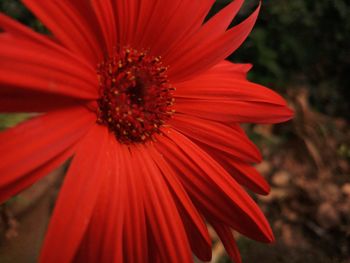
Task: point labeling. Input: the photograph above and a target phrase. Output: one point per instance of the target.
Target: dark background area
(300, 48)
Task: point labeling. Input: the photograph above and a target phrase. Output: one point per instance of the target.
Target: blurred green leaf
(10, 120)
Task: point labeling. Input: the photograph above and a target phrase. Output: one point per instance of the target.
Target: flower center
(135, 95)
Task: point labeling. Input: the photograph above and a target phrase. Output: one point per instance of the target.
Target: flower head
(139, 95)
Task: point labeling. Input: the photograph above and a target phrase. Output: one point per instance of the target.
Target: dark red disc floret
(135, 95)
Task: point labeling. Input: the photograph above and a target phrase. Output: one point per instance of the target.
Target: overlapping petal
(196, 229)
(202, 57)
(226, 236)
(19, 183)
(233, 70)
(103, 240)
(128, 17)
(208, 32)
(243, 172)
(104, 11)
(231, 99)
(159, 28)
(213, 190)
(14, 100)
(228, 145)
(20, 31)
(83, 37)
(37, 68)
(162, 217)
(34, 148)
(78, 196)
(230, 140)
(135, 224)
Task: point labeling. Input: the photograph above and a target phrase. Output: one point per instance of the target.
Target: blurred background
(301, 49)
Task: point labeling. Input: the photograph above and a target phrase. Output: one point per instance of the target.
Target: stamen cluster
(135, 95)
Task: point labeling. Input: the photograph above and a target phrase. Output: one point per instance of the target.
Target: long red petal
(135, 226)
(207, 86)
(136, 15)
(196, 229)
(24, 181)
(210, 31)
(228, 145)
(127, 15)
(232, 99)
(163, 219)
(163, 24)
(235, 111)
(42, 69)
(243, 172)
(214, 191)
(69, 26)
(234, 70)
(77, 197)
(106, 18)
(226, 236)
(203, 57)
(31, 145)
(218, 136)
(15, 100)
(103, 240)
(18, 30)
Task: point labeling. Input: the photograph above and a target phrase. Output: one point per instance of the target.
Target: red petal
(70, 26)
(127, 15)
(135, 226)
(36, 143)
(164, 221)
(196, 229)
(222, 94)
(105, 15)
(218, 136)
(243, 172)
(103, 240)
(233, 70)
(18, 30)
(235, 111)
(42, 69)
(203, 57)
(219, 83)
(210, 31)
(227, 239)
(213, 190)
(28, 179)
(16, 100)
(166, 23)
(77, 197)
(229, 146)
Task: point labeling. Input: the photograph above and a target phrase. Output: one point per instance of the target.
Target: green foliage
(16, 10)
(9, 120)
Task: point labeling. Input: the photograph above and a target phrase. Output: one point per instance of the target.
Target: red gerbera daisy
(139, 94)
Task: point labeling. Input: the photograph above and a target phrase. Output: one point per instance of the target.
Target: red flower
(139, 94)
